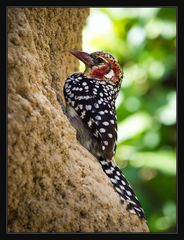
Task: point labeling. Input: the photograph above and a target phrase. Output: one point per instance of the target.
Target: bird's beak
(83, 56)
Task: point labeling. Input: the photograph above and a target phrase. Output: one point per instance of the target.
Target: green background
(144, 42)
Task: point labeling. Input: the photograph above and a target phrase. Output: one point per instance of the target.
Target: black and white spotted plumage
(90, 105)
(94, 102)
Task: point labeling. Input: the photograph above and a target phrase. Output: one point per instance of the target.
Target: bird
(90, 106)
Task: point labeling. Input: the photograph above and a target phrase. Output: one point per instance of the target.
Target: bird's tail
(122, 187)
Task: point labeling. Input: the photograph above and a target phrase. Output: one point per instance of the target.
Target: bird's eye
(99, 60)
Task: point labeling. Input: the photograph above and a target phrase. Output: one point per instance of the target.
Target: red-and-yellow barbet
(90, 105)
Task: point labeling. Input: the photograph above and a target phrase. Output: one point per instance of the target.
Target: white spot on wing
(88, 107)
(89, 123)
(123, 182)
(83, 114)
(105, 143)
(105, 123)
(110, 135)
(118, 190)
(98, 117)
(103, 162)
(118, 173)
(117, 177)
(129, 193)
(96, 105)
(108, 171)
(102, 130)
(122, 187)
(113, 180)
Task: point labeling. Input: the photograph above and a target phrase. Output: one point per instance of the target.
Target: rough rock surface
(54, 184)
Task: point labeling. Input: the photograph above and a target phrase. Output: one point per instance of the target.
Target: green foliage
(144, 42)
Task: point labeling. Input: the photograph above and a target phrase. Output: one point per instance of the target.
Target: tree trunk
(54, 184)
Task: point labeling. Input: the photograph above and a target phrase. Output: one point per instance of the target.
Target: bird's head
(101, 66)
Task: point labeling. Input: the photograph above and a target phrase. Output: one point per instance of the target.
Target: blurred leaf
(167, 14)
(133, 125)
(164, 161)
